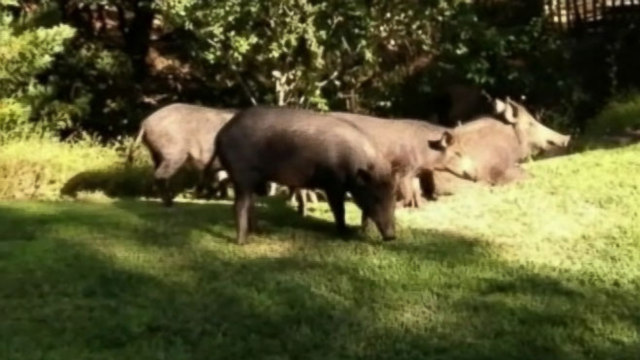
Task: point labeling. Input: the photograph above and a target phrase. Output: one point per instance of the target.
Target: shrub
(622, 112)
(26, 52)
(39, 167)
(42, 167)
(45, 168)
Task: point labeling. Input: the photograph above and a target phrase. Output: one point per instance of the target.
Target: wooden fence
(570, 14)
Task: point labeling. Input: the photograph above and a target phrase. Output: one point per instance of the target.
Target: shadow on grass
(69, 293)
(119, 181)
(115, 181)
(217, 219)
(605, 142)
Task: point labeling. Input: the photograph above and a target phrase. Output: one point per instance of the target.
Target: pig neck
(522, 145)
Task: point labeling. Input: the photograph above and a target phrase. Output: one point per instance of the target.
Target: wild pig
(305, 149)
(497, 144)
(181, 133)
(414, 148)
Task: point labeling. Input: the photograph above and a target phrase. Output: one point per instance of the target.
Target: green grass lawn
(546, 269)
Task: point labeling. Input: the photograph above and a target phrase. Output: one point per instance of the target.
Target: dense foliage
(26, 51)
(100, 66)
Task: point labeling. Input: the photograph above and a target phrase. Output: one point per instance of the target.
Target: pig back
(486, 139)
(282, 139)
(180, 124)
(403, 142)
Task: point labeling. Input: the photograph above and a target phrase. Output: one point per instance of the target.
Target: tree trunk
(138, 36)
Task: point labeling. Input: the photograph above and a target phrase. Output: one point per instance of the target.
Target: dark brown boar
(305, 149)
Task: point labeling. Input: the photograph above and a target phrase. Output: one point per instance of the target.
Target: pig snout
(387, 231)
(468, 169)
(473, 176)
(386, 227)
(559, 141)
(549, 139)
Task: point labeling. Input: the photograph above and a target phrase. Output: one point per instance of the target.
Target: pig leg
(223, 189)
(205, 181)
(301, 199)
(336, 203)
(416, 193)
(202, 175)
(242, 208)
(404, 193)
(214, 183)
(156, 158)
(222, 180)
(167, 168)
(253, 221)
(411, 194)
(203, 188)
(428, 186)
(219, 183)
(165, 192)
(292, 199)
(364, 222)
(272, 188)
(297, 195)
(319, 196)
(313, 197)
(292, 195)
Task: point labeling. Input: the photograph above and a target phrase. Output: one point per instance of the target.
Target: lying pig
(497, 144)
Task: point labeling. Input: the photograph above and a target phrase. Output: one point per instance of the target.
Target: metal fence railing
(569, 14)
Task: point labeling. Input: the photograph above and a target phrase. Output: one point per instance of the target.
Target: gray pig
(497, 144)
(179, 133)
(414, 148)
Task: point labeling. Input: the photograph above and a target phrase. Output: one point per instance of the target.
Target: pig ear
(444, 142)
(511, 112)
(499, 106)
(447, 139)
